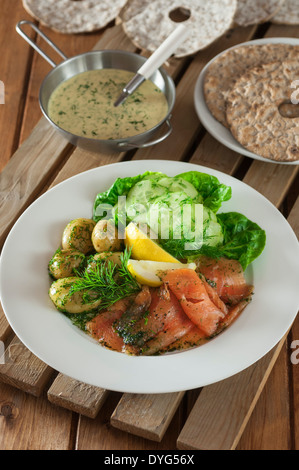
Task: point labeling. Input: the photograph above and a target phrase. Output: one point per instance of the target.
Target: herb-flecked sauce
(84, 105)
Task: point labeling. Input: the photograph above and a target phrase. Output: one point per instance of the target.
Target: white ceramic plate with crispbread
(214, 127)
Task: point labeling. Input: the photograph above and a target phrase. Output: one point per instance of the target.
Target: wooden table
(41, 409)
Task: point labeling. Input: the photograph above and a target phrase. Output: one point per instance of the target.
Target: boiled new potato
(105, 257)
(71, 303)
(77, 235)
(105, 237)
(64, 262)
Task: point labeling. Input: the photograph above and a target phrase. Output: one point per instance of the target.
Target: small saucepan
(95, 60)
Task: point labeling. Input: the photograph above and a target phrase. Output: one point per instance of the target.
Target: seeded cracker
(288, 14)
(225, 70)
(69, 16)
(253, 111)
(250, 12)
(148, 24)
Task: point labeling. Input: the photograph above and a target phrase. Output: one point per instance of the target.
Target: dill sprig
(106, 281)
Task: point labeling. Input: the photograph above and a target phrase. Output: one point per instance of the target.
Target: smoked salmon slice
(194, 337)
(151, 322)
(227, 276)
(138, 310)
(164, 324)
(212, 293)
(233, 314)
(174, 324)
(194, 299)
(101, 327)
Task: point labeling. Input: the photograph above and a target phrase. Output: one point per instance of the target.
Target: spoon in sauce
(154, 62)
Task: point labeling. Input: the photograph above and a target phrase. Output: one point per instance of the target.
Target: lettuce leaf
(120, 187)
(213, 192)
(243, 240)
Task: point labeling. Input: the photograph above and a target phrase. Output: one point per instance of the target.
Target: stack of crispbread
(244, 88)
(148, 22)
(72, 17)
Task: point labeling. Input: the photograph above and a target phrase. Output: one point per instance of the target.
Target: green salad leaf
(120, 187)
(212, 191)
(244, 240)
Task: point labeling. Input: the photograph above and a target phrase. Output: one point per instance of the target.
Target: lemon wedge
(148, 272)
(143, 247)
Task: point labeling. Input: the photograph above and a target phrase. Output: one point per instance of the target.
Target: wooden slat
(273, 181)
(23, 370)
(215, 424)
(294, 345)
(98, 434)
(147, 416)
(5, 329)
(28, 423)
(269, 427)
(293, 218)
(27, 172)
(211, 154)
(76, 396)
(294, 355)
(15, 65)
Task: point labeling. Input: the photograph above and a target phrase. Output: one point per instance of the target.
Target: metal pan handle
(38, 49)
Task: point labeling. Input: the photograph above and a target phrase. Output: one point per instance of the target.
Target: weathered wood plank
(211, 154)
(27, 172)
(15, 65)
(5, 329)
(77, 396)
(215, 424)
(98, 434)
(23, 370)
(294, 346)
(269, 426)
(28, 423)
(146, 416)
(271, 180)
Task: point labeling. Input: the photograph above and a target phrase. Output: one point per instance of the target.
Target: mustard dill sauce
(84, 105)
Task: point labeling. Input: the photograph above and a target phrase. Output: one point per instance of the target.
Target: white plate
(214, 127)
(49, 334)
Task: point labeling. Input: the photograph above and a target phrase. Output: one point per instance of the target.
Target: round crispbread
(71, 17)
(133, 8)
(253, 111)
(148, 23)
(225, 70)
(250, 12)
(288, 14)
